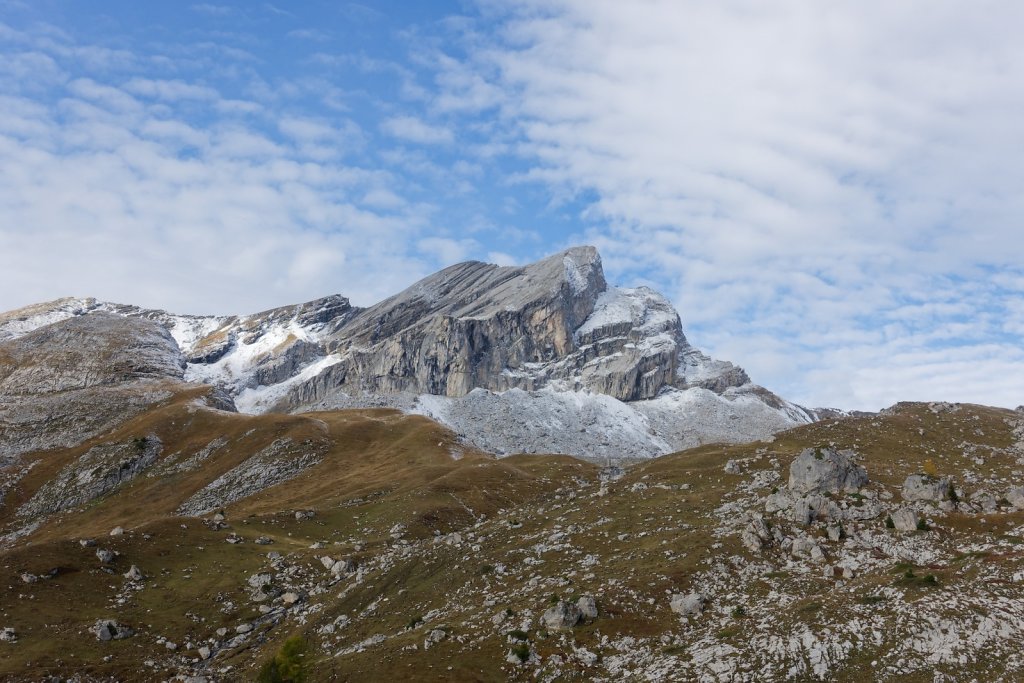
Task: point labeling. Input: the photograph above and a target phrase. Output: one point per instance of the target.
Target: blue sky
(829, 192)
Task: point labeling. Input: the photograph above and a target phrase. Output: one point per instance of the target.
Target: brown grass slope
(529, 527)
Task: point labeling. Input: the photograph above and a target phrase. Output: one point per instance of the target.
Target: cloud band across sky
(828, 191)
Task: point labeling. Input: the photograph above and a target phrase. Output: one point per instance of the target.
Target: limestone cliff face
(471, 325)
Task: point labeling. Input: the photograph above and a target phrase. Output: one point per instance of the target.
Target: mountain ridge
(550, 326)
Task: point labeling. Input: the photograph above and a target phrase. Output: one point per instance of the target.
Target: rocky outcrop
(905, 519)
(280, 461)
(97, 472)
(108, 629)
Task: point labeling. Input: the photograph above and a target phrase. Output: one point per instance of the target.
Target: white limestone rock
(690, 604)
(905, 519)
(561, 616)
(923, 487)
(820, 470)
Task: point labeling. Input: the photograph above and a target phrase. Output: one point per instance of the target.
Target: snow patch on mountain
(641, 312)
(262, 398)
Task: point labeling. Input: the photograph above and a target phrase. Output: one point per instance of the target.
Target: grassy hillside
(450, 557)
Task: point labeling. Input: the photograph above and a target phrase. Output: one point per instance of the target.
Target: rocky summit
(327, 493)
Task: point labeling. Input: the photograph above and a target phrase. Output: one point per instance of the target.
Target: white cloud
(502, 259)
(803, 178)
(448, 250)
(107, 189)
(416, 130)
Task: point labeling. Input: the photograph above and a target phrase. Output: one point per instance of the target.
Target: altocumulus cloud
(830, 191)
(170, 193)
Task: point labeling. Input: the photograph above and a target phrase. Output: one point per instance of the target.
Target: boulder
(688, 604)
(905, 519)
(1015, 497)
(342, 567)
(434, 637)
(805, 546)
(108, 629)
(926, 488)
(732, 467)
(105, 556)
(259, 580)
(817, 470)
(134, 574)
(987, 502)
(587, 606)
(756, 535)
(814, 508)
(8, 635)
(561, 616)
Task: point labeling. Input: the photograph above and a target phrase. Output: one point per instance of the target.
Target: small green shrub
(522, 651)
(871, 599)
(889, 524)
(287, 665)
(517, 635)
(414, 622)
(739, 612)
(922, 525)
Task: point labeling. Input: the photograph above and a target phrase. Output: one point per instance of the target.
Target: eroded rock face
(280, 461)
(820, 470)
(98, 471)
